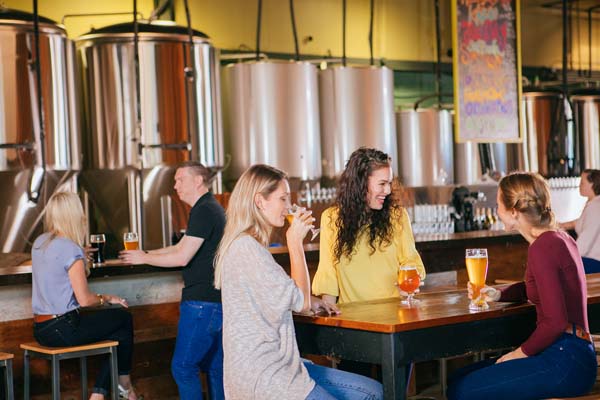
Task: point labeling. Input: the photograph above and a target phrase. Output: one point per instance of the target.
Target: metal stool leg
(26, 375)
(443, 375)
(83, 369)
(55, 378)
(114, 373)
(10, 393)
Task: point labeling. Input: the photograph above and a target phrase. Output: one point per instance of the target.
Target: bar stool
(56, 354)
(6, 363)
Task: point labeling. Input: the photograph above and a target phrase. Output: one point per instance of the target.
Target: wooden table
(385, 332)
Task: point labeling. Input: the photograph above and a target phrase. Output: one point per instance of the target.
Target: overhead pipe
(371, 31)
(39, 171)
(294, 31)
(258, 26)
(438, 44)
(344, 33)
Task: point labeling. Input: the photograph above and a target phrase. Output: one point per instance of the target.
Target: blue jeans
(199, 346)
(590, 265)
(334, 384)
(567, 368)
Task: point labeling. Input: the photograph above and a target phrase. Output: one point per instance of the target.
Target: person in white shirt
(587, 226)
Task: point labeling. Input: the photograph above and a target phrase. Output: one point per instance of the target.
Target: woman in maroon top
(558, 359)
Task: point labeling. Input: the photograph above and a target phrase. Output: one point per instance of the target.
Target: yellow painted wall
(56, 9)
(404, 29)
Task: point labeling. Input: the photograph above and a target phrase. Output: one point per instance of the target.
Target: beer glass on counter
(97, 242)
(131, 241)
(290, 219)
(409, 281)
(477, 266)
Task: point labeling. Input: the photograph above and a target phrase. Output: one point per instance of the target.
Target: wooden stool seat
(35, 346)
(6, 363)
(56, 354)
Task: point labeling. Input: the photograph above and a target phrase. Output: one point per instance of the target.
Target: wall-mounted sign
(487, 70)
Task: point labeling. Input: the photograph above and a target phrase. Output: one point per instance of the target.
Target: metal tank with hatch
(357, 109)
(549, 141)
(586, 105)
(271, 116)
(129, 169)
(31, 169)
(425, 147)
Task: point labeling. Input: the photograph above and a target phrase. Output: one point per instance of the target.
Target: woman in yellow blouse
(366, 236)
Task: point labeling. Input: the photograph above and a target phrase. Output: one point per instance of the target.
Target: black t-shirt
(207, 221)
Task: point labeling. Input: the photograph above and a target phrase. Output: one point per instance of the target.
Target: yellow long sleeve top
(365, 276)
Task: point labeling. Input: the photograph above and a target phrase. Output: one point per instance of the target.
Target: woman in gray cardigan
(261, 357)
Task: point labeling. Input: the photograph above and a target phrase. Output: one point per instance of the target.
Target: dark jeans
(567, 368)
(590, 265)
(74, 328)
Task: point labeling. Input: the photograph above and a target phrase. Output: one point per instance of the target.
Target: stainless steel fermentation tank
(24, 186)
(586, 106)
(129, 169)
(425, 147)
(271, 116)
(357, 109)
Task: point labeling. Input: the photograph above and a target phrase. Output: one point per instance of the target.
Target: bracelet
(101, 298)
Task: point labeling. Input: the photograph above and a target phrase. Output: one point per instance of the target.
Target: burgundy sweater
(555, 283)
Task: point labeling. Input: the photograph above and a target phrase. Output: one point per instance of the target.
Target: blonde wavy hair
(65, 217)
(528, 194)
(243, 215)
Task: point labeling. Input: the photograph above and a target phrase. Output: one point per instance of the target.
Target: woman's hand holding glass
(301, 221)
(291, 216)
(487, 292)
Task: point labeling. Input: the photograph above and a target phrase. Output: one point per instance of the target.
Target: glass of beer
(97, 241)
(290, 218)
(131, 241)
(409, 281)
(477, 266)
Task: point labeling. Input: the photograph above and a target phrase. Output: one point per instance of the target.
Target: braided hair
(528, 194)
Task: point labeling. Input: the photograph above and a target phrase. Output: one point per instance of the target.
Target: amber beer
(408, 279)
(477, 266)
(131, 241)
(290, 218)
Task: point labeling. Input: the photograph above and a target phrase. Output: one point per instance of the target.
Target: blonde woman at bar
(261, 357)
(558, 358)
(60, 289)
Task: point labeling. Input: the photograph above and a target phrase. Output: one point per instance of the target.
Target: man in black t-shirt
(199, 341)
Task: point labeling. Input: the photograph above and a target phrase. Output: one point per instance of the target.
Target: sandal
(124, 393)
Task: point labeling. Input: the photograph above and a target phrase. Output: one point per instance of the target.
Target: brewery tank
(356, 109)
(129, 168)
(271, 116)
(586, 107)
(425, 147)
(31, 169)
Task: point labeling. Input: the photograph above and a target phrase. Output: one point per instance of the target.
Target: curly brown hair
(353, 210)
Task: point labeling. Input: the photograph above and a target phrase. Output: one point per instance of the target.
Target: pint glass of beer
(131, 241)
(477, 265)
(409, 281)
(97, 242)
